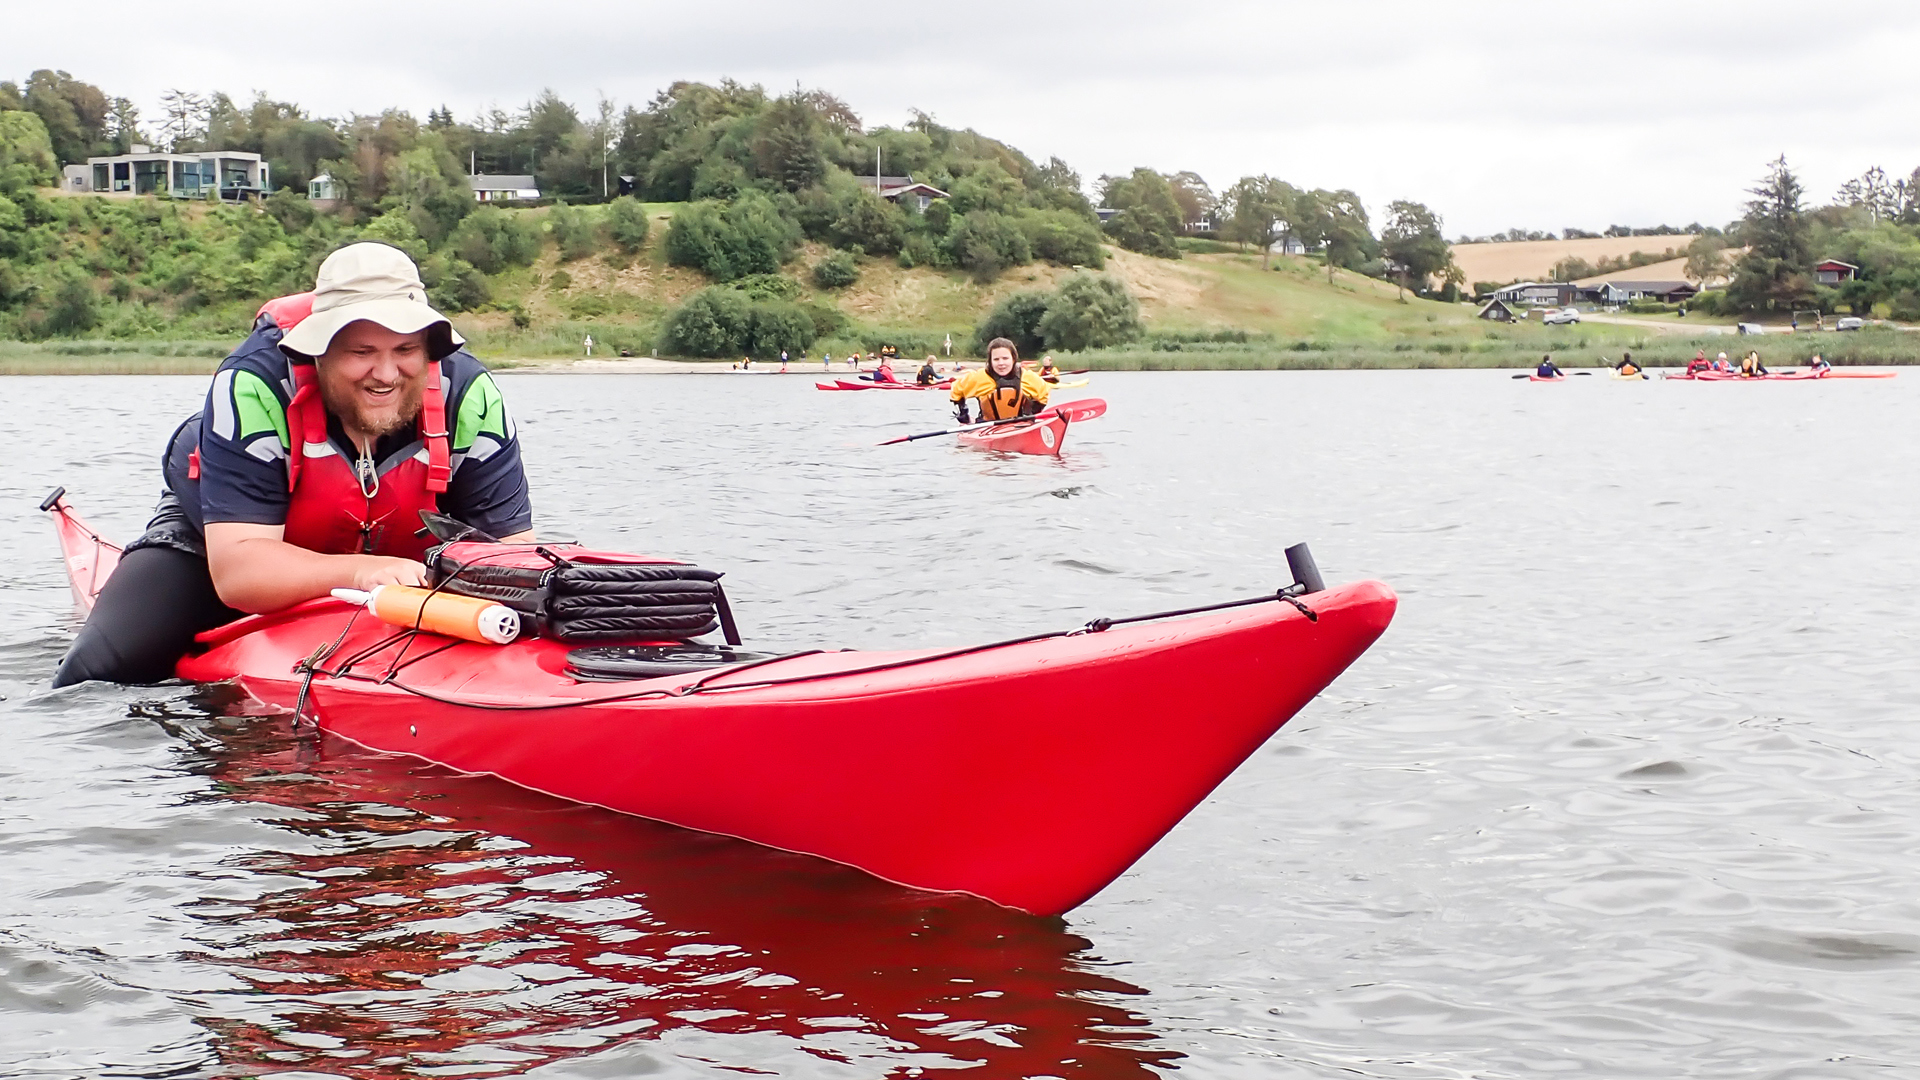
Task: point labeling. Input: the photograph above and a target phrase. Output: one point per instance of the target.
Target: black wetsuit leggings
(145, 619)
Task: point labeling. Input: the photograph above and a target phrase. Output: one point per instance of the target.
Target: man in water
(1548, 369)
(1004, 390)
(323, 437)
(927, 375)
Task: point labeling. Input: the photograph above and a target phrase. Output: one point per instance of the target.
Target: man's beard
(342, 402)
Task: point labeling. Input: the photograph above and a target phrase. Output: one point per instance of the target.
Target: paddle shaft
(1064, 410)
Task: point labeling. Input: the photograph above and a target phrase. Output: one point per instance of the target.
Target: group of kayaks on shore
(1720, 369)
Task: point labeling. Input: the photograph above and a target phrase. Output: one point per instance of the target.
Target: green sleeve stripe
(257, 407)
(482, 411)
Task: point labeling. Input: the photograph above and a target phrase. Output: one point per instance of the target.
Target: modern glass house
(210, 174)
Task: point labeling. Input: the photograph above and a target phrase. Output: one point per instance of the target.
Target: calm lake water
(1628, 790)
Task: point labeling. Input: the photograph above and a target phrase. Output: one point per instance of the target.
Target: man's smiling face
(372, 378)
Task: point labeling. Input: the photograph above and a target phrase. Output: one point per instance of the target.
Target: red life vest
(330, 510)
(333, 509)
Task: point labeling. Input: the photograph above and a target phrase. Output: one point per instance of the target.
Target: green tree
(836, 271)
(492, 239)
(574, 233)
(1063, 238)
(1349, 235)
(1776, 272)
(26, 151)
(1139, 229)
(985, 243)
(1016, 318)
(869, 223)
(748, 236)
(1412, 238)
(75, 114)
(1090, 311)
(1258, 208)
(1149, 217)
(627, 224)
(787, 147)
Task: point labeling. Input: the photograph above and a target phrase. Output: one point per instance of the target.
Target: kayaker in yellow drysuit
(1003, 391)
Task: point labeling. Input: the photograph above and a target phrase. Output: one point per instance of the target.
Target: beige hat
(375, 283)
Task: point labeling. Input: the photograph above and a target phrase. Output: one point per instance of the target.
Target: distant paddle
(1072, 411)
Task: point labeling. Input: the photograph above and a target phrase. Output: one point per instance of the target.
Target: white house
(500, 188)
(204, 174)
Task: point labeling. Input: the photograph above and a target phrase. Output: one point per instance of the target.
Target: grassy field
(1531, 260)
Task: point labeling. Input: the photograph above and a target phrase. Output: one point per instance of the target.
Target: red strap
(433, 428)
(306, 395)
(193, 464)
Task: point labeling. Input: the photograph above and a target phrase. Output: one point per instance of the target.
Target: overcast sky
(1496, 115)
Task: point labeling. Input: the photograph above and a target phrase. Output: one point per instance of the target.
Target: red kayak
(1782, 376)
(862, 384)
(1030, 772)
(1546, 378)
(1044, 436)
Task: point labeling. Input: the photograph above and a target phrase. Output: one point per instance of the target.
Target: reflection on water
(422, 918)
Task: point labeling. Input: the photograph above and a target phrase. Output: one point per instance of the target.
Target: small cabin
(896, 188)
(1833, 272)
(325, 190)
(1496, 310)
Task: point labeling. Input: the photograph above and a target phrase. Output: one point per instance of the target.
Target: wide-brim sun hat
(376, 283)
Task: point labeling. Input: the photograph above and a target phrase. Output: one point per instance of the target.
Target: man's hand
(371, 570)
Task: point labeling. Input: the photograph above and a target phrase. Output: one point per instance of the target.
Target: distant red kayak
(1781, 376)
(1030, 772)
(861, 384)
(1546, 378)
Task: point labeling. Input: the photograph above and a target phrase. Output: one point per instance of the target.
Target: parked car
(1564, 315)
(1849, 322)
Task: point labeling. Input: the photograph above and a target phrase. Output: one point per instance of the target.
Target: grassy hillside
(1218, 309)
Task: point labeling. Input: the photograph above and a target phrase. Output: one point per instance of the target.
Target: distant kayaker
(1003, 390)
(1818, 365)
(1548, 369)
(1047, 369)
(884, 373)
(927, 376)
(1720, 364)
(1626, 368)
(1751, 367)
(347, 412)
(1699, 363)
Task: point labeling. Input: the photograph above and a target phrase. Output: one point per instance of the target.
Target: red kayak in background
(1546, 378)
(1030, 772)
(1782, 376)
(862, 384)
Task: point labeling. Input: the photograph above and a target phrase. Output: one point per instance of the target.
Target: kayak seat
(621, 663)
